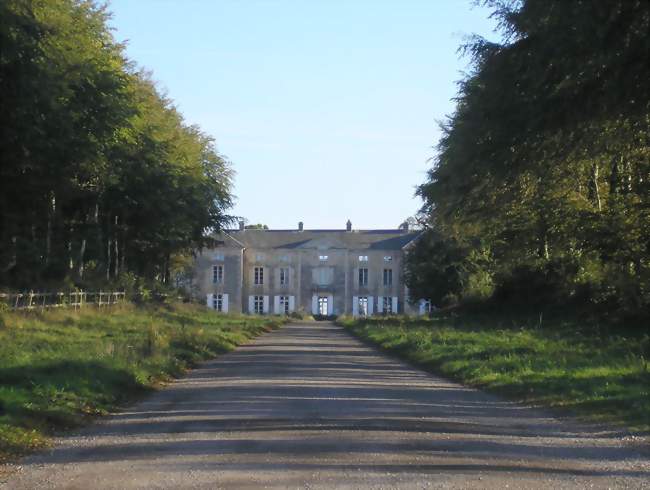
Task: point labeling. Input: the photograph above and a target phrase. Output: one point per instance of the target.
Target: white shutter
(210, 304)
(421, 307)
(276, 305)
(330, 304)
(292, 303)
(224, 303)
(266, 304)
(371, 305)
(394, 305)
(314, 304)
(380, 304)
(355, 305)
(251, 305)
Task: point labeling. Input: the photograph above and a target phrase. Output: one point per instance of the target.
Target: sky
(328, 110)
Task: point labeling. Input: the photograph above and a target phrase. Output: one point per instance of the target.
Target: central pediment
(324, 243)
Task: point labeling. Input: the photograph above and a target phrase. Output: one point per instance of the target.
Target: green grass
(598, 377)
(60, 368)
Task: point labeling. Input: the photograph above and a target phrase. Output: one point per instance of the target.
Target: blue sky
(327, 109)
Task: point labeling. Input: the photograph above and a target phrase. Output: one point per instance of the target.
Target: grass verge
(600, 378)
(59, 368)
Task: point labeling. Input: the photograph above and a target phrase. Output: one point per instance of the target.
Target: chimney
(348, 226)
(241, 225)
(300, 226)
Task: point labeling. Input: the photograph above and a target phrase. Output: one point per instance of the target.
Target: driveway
(308, 406)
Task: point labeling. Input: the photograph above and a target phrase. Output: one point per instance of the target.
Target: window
(363, 277)
(388, 277)
(363, 258)
(284, 276)
(217, 274)
(259, 275)
(217, 302)
(323, 275)
(388, 258)
(258, 305)
(284, 304)
(285, 258)
(387, 305)
(218, 256)
(259, 257)
(363, 305)
(323, 258)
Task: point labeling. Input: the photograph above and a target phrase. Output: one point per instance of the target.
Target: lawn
(58, 369)
(601, 377)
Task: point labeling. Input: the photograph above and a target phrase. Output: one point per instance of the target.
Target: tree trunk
(594, 178)
(117, 249)
(82, 253)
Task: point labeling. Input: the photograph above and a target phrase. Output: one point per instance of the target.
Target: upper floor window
(388, 277)
(323, 258)
(259, 275)
(217, 274)
(363, 258)
(284, 276)
(285, 258)
(388, 258)
(323, 275)
(260, 257)
(218, 256)
(363, 277)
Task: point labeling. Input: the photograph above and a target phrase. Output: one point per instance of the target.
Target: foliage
(57, 368)
(540, 183)
(100, 174)
(561, 364)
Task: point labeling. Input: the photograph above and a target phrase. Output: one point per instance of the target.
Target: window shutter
(371, 305)
(292, 303)
(251, 305)
(314, 304)
(355, 305)
(276, 305)
(330, 304)
(266, 304)
(224, 307)
(380, 304)
(209, 303)
(421, 307)
(394, 305)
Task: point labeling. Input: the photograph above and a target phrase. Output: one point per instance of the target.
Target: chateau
(322, 272)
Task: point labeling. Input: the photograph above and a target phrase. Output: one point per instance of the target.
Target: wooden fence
(73, 299)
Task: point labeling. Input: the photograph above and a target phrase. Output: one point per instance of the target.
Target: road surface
(308, 406)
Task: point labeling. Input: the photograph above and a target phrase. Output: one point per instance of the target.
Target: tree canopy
(99, 172)
(540, 184)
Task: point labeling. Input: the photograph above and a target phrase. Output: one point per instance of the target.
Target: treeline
(539, 195)
(99, 173)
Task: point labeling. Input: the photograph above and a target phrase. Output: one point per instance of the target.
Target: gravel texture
(308, 406)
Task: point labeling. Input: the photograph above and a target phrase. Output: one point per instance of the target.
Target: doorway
(322, 305)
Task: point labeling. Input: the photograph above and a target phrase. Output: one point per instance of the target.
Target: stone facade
(329, 272)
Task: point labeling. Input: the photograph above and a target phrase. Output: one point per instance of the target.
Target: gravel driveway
(308, 406)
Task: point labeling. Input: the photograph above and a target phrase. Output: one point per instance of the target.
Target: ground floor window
(217, 302)
(258, 305)
(322, 305)
(387, 304)
(363, 305)
(284, 304)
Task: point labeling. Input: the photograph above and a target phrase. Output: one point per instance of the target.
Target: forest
(539, 194)
(101, 179)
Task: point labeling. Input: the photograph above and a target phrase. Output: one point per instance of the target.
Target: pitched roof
(315, 239)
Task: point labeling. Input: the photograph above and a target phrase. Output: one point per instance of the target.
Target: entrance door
(322, 305)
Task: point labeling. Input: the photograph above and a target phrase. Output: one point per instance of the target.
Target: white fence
(74, 299)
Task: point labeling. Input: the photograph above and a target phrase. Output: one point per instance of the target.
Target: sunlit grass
(600, 377)
(58, 368)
